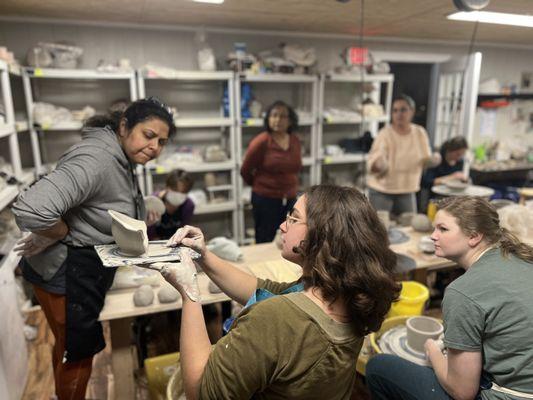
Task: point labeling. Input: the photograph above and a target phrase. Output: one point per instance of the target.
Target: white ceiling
(407, 19)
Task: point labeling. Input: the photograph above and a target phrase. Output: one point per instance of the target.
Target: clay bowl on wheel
(456, 185)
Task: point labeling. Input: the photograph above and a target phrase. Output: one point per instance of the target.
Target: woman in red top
(271, 166)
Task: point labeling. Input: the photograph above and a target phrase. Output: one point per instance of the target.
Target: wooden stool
(525, 193)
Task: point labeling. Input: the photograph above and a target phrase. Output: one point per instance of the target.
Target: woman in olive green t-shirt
(302, 342)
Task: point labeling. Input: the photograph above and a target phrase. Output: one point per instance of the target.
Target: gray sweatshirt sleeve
(77, 177)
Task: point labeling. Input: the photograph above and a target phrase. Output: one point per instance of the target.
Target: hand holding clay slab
(129, 233)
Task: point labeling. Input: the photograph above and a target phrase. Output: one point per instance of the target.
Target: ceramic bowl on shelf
(130, 234)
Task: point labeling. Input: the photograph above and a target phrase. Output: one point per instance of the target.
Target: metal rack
(351, 85)
(197, 117)
(32, 75)
(301, 89)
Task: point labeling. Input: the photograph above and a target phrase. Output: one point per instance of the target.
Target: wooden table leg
(421, 275)
(122, 358)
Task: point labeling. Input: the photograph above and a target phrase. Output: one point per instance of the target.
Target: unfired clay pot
(420, 329)
(130, 234)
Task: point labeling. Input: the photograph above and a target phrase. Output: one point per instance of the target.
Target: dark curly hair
(293, 117)
(138, 111)
(346, 254)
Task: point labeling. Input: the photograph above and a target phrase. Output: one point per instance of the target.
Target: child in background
(179, 208)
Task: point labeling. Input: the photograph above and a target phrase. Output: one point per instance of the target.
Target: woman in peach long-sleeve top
(271, 166)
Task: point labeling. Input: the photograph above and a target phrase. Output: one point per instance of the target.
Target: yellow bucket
(412, 300)
(159, 370)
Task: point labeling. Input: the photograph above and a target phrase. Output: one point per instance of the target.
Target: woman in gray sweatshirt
(66, 213)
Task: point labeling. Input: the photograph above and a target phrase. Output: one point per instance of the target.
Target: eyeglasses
(159, 103)
(290, 220)
(400, 110)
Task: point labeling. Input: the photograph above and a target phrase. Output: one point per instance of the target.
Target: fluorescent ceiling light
(493, 18)
(209, 1)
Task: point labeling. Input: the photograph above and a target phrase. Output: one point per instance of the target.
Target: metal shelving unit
(296, 90)
(348, 88)
(197, 122)
(90, 80)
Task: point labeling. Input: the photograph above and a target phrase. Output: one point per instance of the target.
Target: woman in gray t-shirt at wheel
(487, 312)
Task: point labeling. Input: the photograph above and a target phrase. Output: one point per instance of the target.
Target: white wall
(176, 47)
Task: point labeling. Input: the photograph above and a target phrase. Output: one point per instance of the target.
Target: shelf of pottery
(254, 93)
(203, 106)
(13, 178)
(352, 107)
(59, 100)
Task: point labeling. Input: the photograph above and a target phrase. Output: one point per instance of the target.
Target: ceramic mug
(420, 329)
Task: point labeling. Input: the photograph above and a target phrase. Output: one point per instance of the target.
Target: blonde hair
(476, 215)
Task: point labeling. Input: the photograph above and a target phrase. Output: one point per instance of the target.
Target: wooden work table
(263, 260)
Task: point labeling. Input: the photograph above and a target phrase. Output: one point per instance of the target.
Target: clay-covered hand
(434, 160)
(33, 244)
(189, 236)
(152, 217)
(433, 348)
(183, 276)
(459, 175)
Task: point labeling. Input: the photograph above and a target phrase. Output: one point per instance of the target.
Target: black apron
(87, 282)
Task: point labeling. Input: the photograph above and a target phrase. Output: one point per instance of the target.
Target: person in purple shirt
(179, 208)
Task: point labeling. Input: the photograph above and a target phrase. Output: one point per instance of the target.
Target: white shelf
(307, 161)
(22, 126)
(219, 188)
(344, 159)
(354, 120)
(359, 78)
(202, 122)
(215, 208)
(191, 75)
(289, 78)
(58, 73)
(203, 167)
(63, 126)
(7, 195)
(259, 122)
(6, 130)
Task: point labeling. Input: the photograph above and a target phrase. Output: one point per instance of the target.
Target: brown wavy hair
(346, 254)
(476, 215)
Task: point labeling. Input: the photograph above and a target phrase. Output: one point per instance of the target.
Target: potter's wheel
(397, 236)
(394, 341)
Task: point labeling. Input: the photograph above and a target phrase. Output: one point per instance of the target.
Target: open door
(457, 83)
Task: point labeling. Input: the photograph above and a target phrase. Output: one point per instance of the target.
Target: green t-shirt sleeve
(274, 287)
(243, 362)
(464, 322)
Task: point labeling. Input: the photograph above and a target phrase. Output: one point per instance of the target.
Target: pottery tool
(157, 252)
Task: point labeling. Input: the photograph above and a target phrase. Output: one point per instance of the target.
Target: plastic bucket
(159, 371)
(412, 301)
